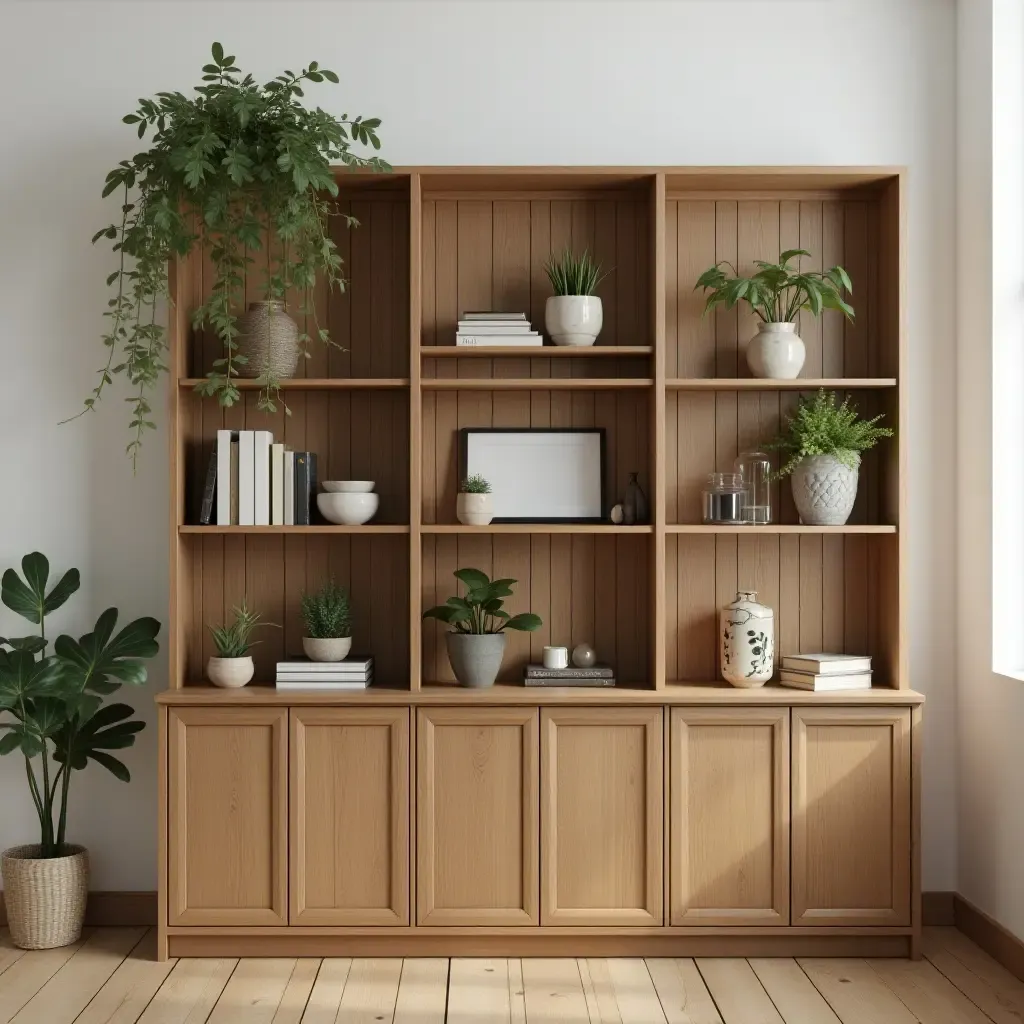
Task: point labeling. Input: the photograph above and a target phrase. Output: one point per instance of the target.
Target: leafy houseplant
(52, 712)
(820, 447)
(474, 506)
(228, 169)
(233, 667)
(478, 620)
(776, 292)
(573, 314)
(328, 623)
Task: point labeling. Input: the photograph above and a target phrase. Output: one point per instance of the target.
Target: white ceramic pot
(348, 508)
(348, 486)
(474, 509)
(747, 641)
(230, 673)
(776, 352)
(824, 489)
(326, 648)
(573, 319)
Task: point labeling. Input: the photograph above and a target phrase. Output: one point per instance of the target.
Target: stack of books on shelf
(486, 327)
(253, 481)
(822, 672)
(350, 674)
(596, 675)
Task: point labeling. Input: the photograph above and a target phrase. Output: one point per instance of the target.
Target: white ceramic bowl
(348, 486)
(348, 509)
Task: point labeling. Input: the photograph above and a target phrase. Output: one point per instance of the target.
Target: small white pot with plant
(328, 623)
(821, 448)
(232, 666)
(573, 315)
(474, 505)
(776, 293)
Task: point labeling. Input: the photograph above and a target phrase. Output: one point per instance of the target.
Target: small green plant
(233, 641)
(570, 274)
(480, 609)
(475, 484)
(326, 612)
(777, 291)
(822, 426)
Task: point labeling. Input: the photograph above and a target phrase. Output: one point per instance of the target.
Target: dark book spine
(314, 511)
(206, 510)
(569, 673)
(302, 492)
(569, 681)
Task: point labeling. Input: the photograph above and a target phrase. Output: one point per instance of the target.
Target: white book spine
(223, 477)
(277, 485)
(289, 488)
(482, 340)
(246, 478)
(262, 440)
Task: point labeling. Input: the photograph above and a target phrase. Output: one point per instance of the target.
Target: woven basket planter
(45, 897)
(269, 338)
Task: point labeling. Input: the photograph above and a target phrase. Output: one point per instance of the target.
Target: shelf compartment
(536, 352)
(851, 529)
(599, 529)
(763, 384)
(535, 383)
(313, 383)
(315, 530)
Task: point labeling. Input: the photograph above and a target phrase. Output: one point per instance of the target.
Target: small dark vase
(635, 510)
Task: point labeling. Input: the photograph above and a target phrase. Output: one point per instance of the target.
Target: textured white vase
(573, 319)
(326, 648)
(230, 673)
(824, 490)
(776, 352)
(474, 509)
(747, 634)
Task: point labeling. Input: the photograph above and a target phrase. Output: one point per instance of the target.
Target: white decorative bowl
(348, 509)
(348, 486)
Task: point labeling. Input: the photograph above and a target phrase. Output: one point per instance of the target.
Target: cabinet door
(477, 846)
(228, 816)
(349, 791)
(729, 816)
(601, 816)
(851, 816)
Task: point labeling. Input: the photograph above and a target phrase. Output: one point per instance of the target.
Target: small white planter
(230, 673)
(824, 490)
(474, 509)
(573, 319)
(776, 352)
(747, 633)
(327, 648)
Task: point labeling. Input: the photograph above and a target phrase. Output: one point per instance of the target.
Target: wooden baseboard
(1000, 944)
(937, 908)
(111, 909)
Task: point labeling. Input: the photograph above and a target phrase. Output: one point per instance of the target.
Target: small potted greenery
(476, 642)
(573, 315)
(820, 448)
(52, 713)
(232, 666)
(473, 506)
(328, 623)
(776, 293)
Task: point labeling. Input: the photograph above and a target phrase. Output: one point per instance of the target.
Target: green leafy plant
(233, 641)
(229, 170)
(570, 274)
(51, 705)
(777, 291)
(475, 484)
(326, 612)
(480, 609)
(822, 426)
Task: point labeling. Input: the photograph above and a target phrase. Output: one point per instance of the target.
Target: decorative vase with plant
(820, 447)
(476, 643)
(474, 506)
(573, 315)
(232, 666)
(241, 172)
(328, 623)
(52, 713)
(776, 293)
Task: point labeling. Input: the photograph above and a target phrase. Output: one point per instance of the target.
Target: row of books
(254, 481)
(826, 672)
(354, 673)
(483, 328)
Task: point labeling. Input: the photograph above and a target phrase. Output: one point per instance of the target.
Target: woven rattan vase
(45, 897)
(269, 338)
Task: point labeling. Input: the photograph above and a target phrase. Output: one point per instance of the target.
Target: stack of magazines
(823, 672)
(485, 328)
(351, 674)
(595, 675)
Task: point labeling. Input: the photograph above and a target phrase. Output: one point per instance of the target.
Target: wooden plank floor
(110, 977)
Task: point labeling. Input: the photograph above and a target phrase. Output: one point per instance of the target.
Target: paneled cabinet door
(601, 816)
(729, 816)
(851, 816)
(227, 855)
(349, 789)
(477, 814)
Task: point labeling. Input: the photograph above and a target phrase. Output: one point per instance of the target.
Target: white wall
(630, 82)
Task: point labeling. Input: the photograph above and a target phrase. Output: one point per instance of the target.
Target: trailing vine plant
(230, 170)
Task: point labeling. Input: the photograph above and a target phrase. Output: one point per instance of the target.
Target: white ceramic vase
(776, 352)
(573, 319)
(334, 648)
(474, 509)
(825, 489)
(747, 641)
(230, 673)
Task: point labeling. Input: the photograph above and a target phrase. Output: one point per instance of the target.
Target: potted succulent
(52, 713)
(573, 315)
(328, 623)
(473, 506)
(776, 293)
(476, 643)
(232, 666)
(821, 447)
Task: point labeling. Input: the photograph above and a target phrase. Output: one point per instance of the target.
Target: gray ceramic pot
(476, 658)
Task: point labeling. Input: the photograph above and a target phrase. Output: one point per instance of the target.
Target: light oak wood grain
(791, 991)
(25, 977)
(855, 992)
(684, 996)
(737, 992)
(371, 991)
(325, 996)
(554, 991)
(422, 991)
(190, 992)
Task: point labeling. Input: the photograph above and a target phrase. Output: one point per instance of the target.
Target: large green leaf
(28, 644)
(525, 621)
(23, 679)
(28, 597)
(473, 578)
(100, 664)
(108, 729)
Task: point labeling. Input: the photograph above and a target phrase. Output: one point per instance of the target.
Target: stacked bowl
(348, 502)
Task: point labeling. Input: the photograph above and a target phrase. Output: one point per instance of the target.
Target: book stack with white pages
(485, 328)
(351, 674)
(822, 672)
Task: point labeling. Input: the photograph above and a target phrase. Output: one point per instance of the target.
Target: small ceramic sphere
(583, 656)
(617, 515)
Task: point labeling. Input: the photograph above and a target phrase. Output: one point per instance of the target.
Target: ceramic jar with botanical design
(747, 633)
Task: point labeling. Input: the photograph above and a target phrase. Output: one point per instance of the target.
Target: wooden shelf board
(763, 384)
(318, 528)
(535, 383)
(314, 383)
(537, 352)
(530, 528)
(850, 528)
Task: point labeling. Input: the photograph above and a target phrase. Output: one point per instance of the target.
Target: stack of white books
(350, 674)
(822, 672)
(483, 328)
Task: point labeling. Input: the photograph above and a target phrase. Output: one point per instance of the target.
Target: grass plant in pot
(232, 665)
(53, 715)
(474, 505)
(776, 293)
(478, 620)
(821, 448)
(573, 315)
(328, 623)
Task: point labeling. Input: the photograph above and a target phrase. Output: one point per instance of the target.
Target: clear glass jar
(724, 499)
(755, 472)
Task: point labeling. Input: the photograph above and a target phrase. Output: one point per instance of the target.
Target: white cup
(556, 657)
